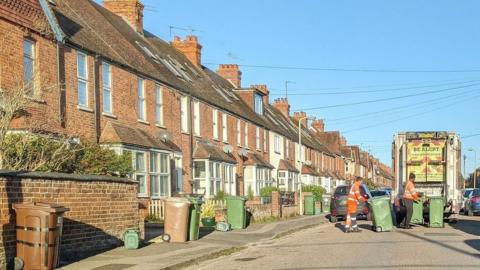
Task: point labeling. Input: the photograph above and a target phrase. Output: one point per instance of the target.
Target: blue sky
(381, 35)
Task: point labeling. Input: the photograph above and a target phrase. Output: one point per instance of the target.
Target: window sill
(196, 135)
(110, 115)
(143, 196)
(185, 132)
(143, 122)
(85, 109)
(35, 99)
(216, 139)
(160, 126)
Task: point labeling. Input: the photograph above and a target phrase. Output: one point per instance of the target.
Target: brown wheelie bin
(39, 228)
(176, 220)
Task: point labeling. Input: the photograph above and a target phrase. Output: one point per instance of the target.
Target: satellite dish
(164, 135)
(227, 149)
(243, 152)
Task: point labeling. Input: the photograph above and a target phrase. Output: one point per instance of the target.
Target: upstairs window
(196, 118)
(276, 144)
(258, 104)
(224, 128)
(184, 113)
(107, 87)
(239, 133)
(29, 66)
(82, 79)
(141, 106)
(215, 124)
(158, 105)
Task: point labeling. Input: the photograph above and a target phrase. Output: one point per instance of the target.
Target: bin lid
(178, 200)
(42, 206)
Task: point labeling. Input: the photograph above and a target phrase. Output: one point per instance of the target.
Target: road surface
(327, 247)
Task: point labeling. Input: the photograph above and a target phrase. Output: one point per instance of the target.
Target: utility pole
(474, 168)
(464, 170)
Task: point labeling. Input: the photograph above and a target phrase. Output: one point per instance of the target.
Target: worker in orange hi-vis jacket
(409, 195)
(354, 196)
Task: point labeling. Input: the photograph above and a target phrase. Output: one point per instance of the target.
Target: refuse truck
(435, 158)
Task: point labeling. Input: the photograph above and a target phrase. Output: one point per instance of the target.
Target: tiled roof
(285, 165)
(127, 135)
(207, 150)
(306, 169)
(256, 159)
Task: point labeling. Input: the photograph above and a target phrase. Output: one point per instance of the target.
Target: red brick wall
(101, 209)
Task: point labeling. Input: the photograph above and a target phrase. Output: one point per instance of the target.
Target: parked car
(338, 204)
(465, 194)
(472, 204)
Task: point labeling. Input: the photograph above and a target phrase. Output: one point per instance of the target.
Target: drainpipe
(96, 98)
(61, 84)
(190, 117)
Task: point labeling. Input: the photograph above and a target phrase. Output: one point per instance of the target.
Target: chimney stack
(262, 88)
(282, 105)
(190, 48)
(343, 141)
(232, 73)
(318, 125)
(130, 10)
(299, 115)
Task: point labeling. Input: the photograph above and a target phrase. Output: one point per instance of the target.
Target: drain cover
(441, 234)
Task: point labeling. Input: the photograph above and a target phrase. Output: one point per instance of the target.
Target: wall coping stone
(65, 176)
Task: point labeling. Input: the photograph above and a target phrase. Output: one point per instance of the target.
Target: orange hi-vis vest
(410, 193)
(353, 197)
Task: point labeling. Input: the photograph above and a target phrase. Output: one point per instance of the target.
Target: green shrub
(221, 195)
(317, 191)
(250, 193)
(208, 209)
(48, 154)
(267, 191)
(99, 160)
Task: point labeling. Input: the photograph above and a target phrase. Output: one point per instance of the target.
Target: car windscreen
(467, 193)
(341, 190)
(476, 192)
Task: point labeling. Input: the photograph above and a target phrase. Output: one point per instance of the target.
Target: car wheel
(333, 219)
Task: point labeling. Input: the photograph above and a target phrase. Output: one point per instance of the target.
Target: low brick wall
(290, 211)
(260, 211)
(101, 209)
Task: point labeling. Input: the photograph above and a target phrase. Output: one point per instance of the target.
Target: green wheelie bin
(194, 220)
(381, 213)
(417, 215)
(236, 212)
(309, 207)
(435, 212)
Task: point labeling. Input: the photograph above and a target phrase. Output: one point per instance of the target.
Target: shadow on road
(468, 226)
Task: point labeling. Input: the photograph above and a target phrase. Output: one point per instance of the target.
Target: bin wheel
(166, 238)
(18, 263)
(378, 229)
(333, 219)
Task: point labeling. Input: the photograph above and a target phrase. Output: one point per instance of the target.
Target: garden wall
(101, 209)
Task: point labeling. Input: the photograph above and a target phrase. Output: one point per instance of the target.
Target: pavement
(157, 255)
(457, 246)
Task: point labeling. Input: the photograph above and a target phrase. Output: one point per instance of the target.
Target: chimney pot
(190, 48)
(282, 105)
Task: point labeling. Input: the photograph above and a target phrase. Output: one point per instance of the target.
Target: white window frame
(31, 57)
(157, 174)
(107, 87)
(140, 172)
(184, 114)
(276, 144)
(82, 79)
(214, 183)
(245, 139)
(158, 104)
(196, 118)
(141, 100)
(200, 182)
(258, 100)
(224, 128)
(282, 177)
(178, 174)
(239, 132)
(215, 123)
(230, 178)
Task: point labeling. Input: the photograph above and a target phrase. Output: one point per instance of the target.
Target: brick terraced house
(189, 129)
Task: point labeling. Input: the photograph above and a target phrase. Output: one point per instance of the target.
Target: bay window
(159, 174)
(140, 172)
